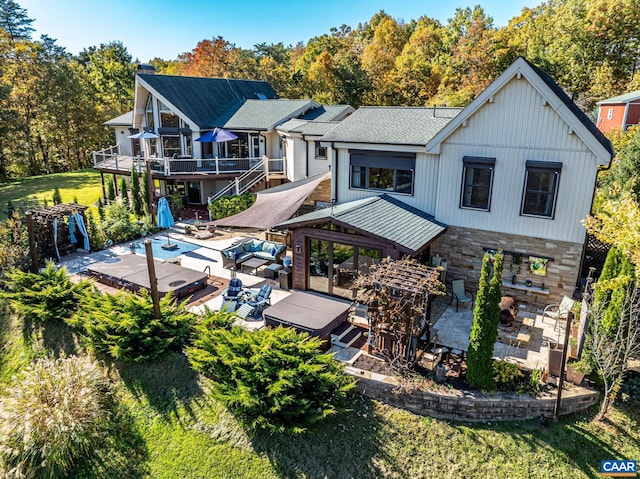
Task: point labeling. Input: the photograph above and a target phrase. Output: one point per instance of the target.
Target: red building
(619, 112)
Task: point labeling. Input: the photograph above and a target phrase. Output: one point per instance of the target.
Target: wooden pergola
(40, 224)
(398, 296)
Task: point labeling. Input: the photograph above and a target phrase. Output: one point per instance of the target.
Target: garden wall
(470, 406)
(463, 249)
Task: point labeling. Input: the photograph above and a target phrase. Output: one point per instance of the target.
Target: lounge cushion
(244, 257)
(255, 245)
(263, 255)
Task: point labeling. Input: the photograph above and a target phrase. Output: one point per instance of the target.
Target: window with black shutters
(477, 183)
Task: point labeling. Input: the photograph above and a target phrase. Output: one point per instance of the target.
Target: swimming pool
(165, 254)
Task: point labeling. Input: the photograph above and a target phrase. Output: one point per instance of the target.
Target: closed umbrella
(165, 218)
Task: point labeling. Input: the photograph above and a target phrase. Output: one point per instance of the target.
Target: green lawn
(82, 184)
(169, 428)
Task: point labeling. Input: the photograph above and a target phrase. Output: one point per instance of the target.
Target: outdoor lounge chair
(258, 301)
(459, 293)
(232, 295)
(558, 312)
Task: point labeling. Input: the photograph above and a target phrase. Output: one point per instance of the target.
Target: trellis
(398, 297)
(40, 228)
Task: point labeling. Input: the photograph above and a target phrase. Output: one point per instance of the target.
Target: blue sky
(166, 28)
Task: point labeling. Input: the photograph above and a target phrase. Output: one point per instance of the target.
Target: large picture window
(477, 183)
(382, 170)
(541, 188)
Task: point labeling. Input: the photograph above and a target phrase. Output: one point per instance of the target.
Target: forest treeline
(53, 104)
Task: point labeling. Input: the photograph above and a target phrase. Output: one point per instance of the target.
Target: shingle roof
(313, 128)
(394, 125)
(327, 112)
(209, 102)
(627, 97)
(125, 119)
(266, 114)
(384, 217)
(579, 114)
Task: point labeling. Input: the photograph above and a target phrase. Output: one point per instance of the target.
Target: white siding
(317, 166)
(122, 139)
(518, 126)
(299, 159)
(425, 189)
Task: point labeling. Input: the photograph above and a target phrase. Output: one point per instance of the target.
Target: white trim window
(321, 151)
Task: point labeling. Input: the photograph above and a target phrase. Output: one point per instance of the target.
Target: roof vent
(146, 68)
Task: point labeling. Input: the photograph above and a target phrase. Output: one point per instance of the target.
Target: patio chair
(232, 295)
(558, 312)
(459, 293)
(259, 301)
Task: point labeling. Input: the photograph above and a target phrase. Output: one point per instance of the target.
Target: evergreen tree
(484, 329)
(136, 197)
(124, 193)
(101, 213)
(96, 235)
(612, 287)
(14, 20)
(57, 198)
(145, 192)
(111, 191)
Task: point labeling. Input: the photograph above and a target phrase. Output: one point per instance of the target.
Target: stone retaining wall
(470, 406)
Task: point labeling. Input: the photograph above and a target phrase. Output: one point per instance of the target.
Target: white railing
(245, 182)
(108, 155)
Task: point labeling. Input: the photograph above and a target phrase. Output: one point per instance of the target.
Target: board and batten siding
(300, 159)
(317, 166)
(518, 126)
(424, 188)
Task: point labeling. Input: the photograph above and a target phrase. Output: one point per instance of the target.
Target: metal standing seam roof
(396, 125)
(625, 98)
(381, 216)
(266, 114)
(209, 102)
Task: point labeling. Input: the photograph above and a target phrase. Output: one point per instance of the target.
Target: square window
(321, 151)
(541, 189)
(477, 183)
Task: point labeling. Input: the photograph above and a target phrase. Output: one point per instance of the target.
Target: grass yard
(169, 427)
(83, 184)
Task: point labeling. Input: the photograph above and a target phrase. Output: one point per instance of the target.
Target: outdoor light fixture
(298, 247)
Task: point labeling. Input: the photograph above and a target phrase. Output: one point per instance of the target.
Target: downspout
(334, 175)
(624, 118)
(306, 157)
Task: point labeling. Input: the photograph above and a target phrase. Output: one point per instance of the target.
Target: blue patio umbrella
(218, 135)
(165, 218)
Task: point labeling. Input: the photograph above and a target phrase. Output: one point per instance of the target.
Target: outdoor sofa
(234, 256)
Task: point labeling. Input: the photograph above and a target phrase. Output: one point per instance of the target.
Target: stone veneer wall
(470, 406)
(462, 248)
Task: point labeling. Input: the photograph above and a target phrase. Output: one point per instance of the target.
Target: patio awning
(275, 205)
(383, 217)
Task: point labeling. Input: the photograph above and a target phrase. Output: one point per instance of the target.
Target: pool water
(165, 254)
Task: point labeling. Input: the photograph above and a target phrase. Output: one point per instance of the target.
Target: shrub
(57, 413)
(118, 226)
(136, 196)
(111, 191)
(48, 295)
(273, 379)
(96, 235)
(484, 329)
(230, 205)
(14, 244)
(124, 192)
(506, 375)
(123, 325)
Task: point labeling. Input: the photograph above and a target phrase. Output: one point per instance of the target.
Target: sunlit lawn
(172, 428)
(82, 184)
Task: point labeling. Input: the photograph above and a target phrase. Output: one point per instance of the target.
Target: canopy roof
(274, 205)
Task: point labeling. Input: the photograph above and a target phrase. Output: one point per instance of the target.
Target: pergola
(40, 226)
(398, 297)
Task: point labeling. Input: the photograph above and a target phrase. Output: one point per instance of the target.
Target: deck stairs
(345, 335)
